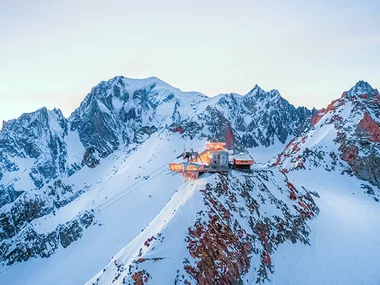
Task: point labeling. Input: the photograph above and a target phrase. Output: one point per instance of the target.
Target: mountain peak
(130, 85)
(140, 82)
(257, 91)
(362, 87)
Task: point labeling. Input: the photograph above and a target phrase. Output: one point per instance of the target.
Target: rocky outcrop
(223, 251)
(30, 243)
(33, 205)
(370, 128)
(91, 157)
(223, 248)
(368, 169)
(259, 118)
(349, 129)
(234, 225)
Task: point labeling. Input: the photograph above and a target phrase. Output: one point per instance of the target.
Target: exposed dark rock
(234, 232)
(356, 143)
(32, 244)
(256, 119)
(30, 206)
(91, 157)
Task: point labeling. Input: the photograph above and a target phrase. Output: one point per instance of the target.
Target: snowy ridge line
(156, 226)
(129, 187)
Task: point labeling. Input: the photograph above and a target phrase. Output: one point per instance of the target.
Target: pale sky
(53, 52)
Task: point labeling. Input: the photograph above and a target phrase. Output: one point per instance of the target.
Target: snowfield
(345, 248)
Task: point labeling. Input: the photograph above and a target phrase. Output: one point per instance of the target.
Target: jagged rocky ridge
(216, 230)
(43, 148)
(32, 148)
(20, 240)
(33, 244)
(259, 118)
(345, 137)
(44, 145)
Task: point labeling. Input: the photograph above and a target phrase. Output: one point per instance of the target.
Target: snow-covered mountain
(345, 137)
(216, 230)
(78, 190)
(122, 111)
(43, 153)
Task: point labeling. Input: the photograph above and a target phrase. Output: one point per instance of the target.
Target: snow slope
(345, 247)
(175, 213)
(207, 233)
(121, 175)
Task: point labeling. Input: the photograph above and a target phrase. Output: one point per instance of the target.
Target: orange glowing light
(216, 146)
(192, 167)
(176, 167)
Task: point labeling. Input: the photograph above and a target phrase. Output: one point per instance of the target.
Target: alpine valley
(90, 199)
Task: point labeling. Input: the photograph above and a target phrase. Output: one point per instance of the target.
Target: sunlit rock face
(344, 137)
(217, 230)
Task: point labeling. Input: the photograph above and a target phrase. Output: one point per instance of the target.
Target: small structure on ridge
(215, 158)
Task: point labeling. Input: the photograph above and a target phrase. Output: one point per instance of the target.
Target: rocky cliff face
(40, 151)
(345, 137)
(30, 243)
(123, 111)
(259, 118)
(216, 230)
(33, 149)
